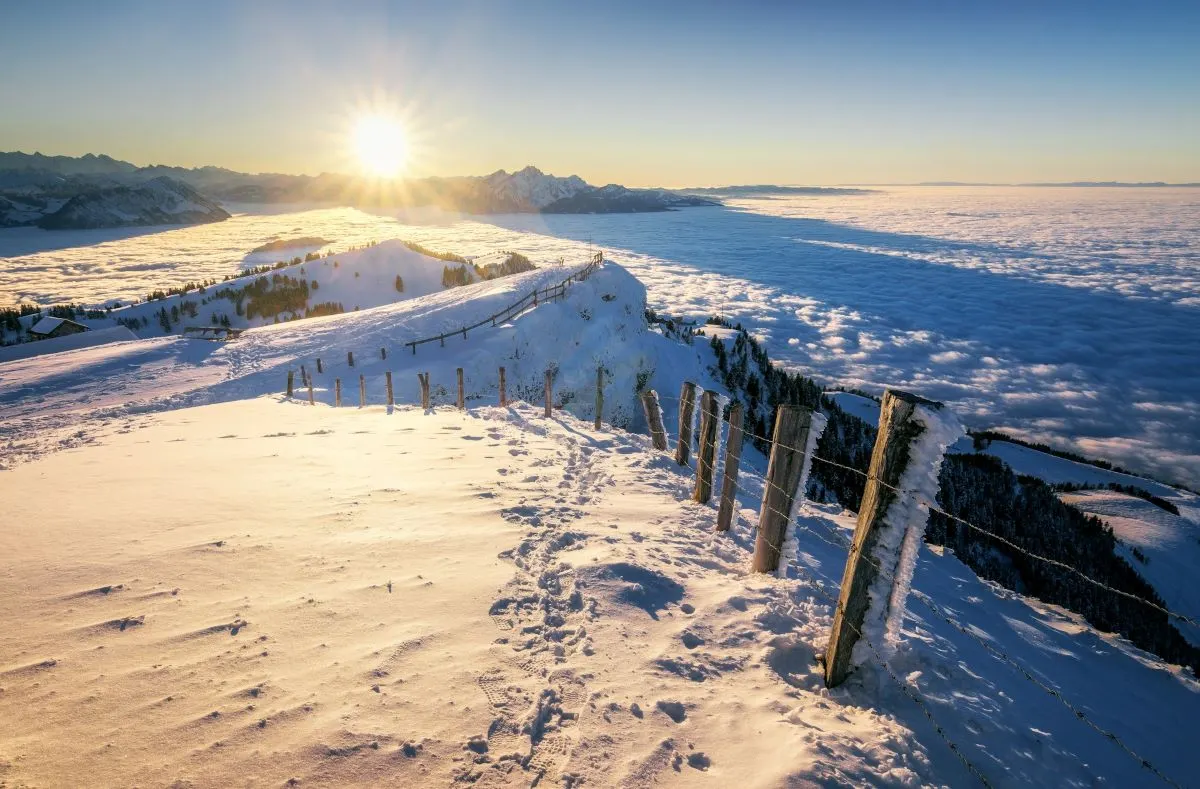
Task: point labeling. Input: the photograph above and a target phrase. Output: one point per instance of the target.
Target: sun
(381, 145)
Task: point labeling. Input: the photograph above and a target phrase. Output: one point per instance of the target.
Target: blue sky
(639, 93)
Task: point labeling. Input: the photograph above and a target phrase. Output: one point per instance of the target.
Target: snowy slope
(501, 599)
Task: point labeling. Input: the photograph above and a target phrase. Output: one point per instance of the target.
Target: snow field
(352, 597)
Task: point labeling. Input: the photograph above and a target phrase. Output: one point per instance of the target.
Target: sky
(640, 93)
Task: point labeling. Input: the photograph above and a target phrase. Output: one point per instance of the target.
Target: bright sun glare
(381, 146)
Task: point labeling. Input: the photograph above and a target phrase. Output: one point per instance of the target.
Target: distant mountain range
(35, 189)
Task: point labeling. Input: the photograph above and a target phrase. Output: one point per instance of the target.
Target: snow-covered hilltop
(302, 287)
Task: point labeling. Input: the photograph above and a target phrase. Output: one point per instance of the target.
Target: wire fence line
(926, 601)
(905, 687)
(933, 507)
(528, 301)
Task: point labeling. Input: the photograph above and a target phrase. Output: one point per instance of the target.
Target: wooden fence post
(424, 379)
(350, 358)
(549, 390)
(889, 460)
(303, 375)
(706, 460)
(792, 424)
(462, 401)
(362, 391)
(290, 376)
(388, 377)
(658, 434)
(383, 354)
(503, 390)
(687, 404)
(319, 368)
(311, 401)
(599, 395)
(733, 458)
(337, 397)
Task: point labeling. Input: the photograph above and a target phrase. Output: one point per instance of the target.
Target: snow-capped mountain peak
(529, 189)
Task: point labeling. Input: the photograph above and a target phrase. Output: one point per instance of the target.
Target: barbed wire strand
(935, 609)
(932, 507)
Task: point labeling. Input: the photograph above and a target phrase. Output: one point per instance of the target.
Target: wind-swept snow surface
(259, 591)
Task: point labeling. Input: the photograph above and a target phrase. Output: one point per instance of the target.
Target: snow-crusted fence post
(733, 459)
(388, 378)
(461, 402)
(654, 420)
(687, 405)
(337, 396)
(706, 459)
(291, 374)
(424, 379)
(549, 390)
(362, 391)
(503, 390)
(599, 395)
(903, 477)
(786, 466)
(311, 401)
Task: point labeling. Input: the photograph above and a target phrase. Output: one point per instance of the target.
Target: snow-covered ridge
(359, 279)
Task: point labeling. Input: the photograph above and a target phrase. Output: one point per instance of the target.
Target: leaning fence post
(658, 434)
(388, 377)
(337, 397)
(462, 402)
(350, 358)
(290, 376)
(362, 391)
(733, 458)
(784, 470)
(687, 404)
(549, 391)
(707, 457)
(503, 390)
(886, 535)
(599, 395)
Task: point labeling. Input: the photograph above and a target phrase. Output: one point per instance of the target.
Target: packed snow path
(351, 597)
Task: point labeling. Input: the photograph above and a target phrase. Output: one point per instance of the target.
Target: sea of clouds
(1070, 316)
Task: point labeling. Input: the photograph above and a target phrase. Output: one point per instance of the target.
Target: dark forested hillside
(980, 489)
